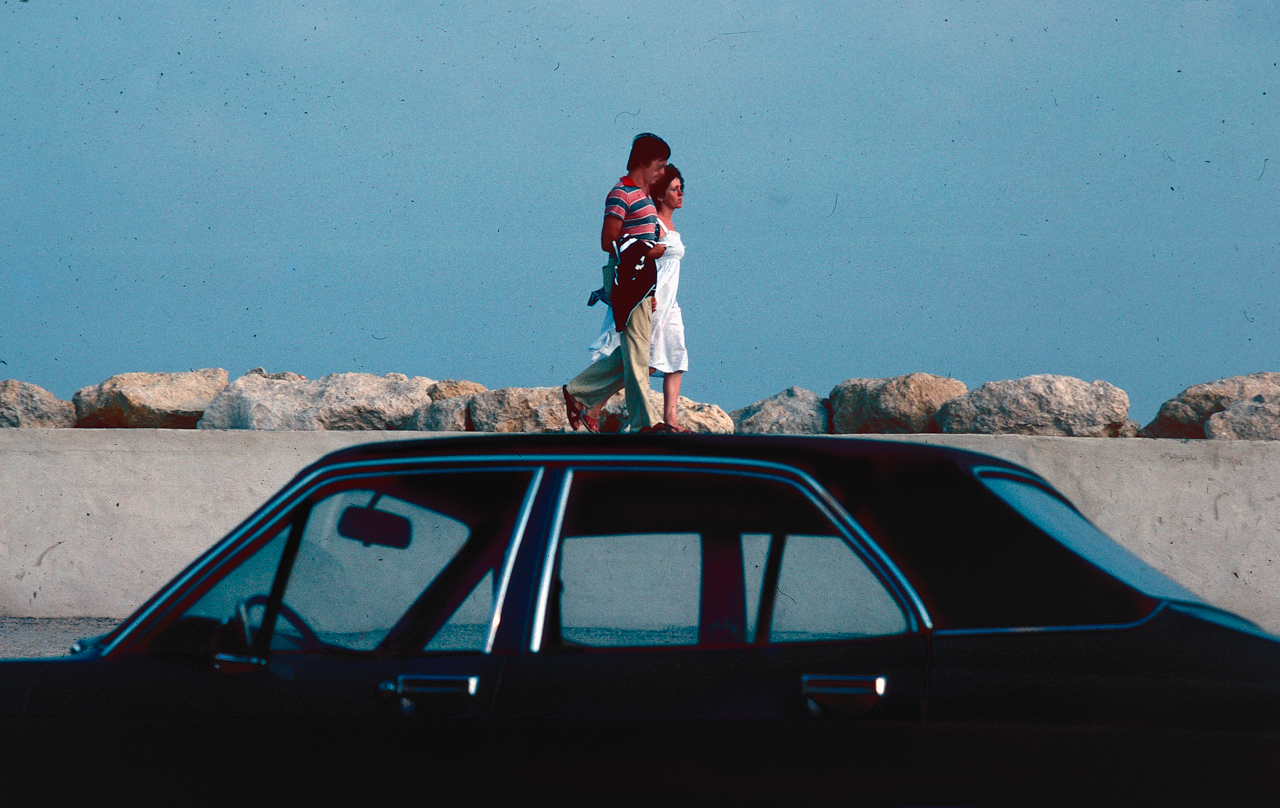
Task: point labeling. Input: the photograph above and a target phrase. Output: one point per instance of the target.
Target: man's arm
(610, 232)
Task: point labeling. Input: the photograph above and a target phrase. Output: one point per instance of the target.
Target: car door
(703, 630)
(340, 648)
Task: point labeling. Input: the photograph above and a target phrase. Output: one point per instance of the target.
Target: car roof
(807, 452)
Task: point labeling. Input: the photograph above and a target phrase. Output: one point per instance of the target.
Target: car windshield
(1064, 524)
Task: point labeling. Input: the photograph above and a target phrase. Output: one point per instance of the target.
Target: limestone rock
(451, 388)
(23, 404)
(1256, 418)
(519, 409)
(1184, 415)
(149, 400)
(901, 404)
(1131, 429)
(447, 415)
(705, 419)
(794, 411)
(287, 401)
(1039, 405)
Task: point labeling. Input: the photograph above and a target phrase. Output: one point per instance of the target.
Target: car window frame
(854, 536)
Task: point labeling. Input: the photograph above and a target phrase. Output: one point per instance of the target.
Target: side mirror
(370, 526)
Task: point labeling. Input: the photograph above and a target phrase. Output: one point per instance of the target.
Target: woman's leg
(671, 397)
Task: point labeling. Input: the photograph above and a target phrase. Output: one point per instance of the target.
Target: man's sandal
(577, 414)
(571, 408)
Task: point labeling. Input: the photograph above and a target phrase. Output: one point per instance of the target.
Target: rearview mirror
(370, 526)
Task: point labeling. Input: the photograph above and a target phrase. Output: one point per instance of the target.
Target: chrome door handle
(410, 685)
(425, 696)
(841, 695)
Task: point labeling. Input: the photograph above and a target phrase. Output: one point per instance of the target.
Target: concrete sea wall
(92, 522)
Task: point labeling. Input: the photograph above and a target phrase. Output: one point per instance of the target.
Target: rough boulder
(1039, 405)
(26, 405)
(149, 400)
(1256, 418)
(453, 388)
(794, 411)
(519, 409)
(901, 404)
(448, 415)
(1184, 415)
(288, 401)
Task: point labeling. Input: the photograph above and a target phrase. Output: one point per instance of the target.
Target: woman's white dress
(666, 346)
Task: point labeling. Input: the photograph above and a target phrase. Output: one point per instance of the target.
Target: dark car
(677, 618)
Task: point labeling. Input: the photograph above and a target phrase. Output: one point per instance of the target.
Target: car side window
(679, 558)
(467, 629)
(239, 598)
(824, 591)
(405, 560)
(629, 589)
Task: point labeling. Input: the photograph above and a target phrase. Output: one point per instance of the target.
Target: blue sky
(981, 190)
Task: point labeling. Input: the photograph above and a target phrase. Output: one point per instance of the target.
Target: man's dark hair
(645, 148)
(658, 193)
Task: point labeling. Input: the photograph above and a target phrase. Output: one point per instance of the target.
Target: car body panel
(1015, 661)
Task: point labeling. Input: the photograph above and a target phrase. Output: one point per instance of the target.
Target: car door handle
(411, 685)
(424, 696)
(841, 695)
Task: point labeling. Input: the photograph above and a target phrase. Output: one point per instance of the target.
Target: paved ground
(29, 637)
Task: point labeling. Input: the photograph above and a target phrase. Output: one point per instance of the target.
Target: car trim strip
(513, 549)
(548, 564)
(959, 632)
(1024, 476)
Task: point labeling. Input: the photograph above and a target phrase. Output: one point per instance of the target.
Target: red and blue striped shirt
(636, 210)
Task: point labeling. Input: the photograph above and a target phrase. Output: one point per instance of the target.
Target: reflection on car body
(598, 618)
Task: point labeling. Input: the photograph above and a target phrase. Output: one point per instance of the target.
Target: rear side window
(977, 562)
(650, 559)
(1066, 525)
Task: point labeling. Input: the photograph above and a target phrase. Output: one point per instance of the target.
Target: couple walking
(643, 331)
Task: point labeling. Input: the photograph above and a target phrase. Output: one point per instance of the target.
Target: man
(629, 235)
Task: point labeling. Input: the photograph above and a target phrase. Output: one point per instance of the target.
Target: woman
(666, 349)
